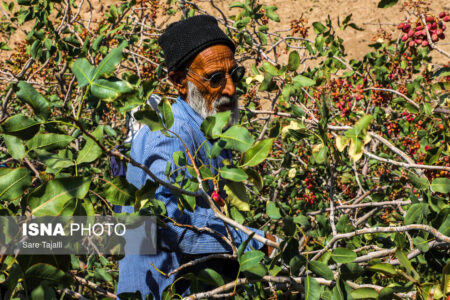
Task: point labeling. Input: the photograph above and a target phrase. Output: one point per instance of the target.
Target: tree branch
(242, 281)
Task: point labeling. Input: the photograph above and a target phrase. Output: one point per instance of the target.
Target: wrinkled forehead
(214, 58)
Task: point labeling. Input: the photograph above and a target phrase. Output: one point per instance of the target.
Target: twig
(103, 200)
(416, 252)
(30, 165)
(201, 229)
(426, 228)
(242, 281)
(94, 287)
(19, 75)
(430, 41)
(72, 294)
(199, 261)
(352, 206)
(405, 165)
(394, 92)
(38, 70)
(366, 216)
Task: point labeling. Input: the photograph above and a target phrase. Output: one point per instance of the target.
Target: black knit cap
(183, 40)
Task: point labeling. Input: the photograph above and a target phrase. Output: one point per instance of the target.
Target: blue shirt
(154, 150)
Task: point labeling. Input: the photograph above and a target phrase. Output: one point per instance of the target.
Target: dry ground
(364, 13)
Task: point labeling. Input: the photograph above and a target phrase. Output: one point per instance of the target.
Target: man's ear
(179, 80)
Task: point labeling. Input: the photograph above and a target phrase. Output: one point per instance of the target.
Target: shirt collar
(184, 111)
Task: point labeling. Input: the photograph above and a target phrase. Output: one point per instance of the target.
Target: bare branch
(201, 260)
(242, 281)
(98, 290)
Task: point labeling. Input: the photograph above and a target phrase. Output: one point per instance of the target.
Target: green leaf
(312, 289)
(364, 293)
(53, 161)
(421, 244)
(42, 292)
(35, 47)
(268, 84)
(442, 72)
(250, 259)
(236, 215)
(255, 178)
(119, 191)
(272, 210)
(97, 42)
(419, 182)
(387, 269)
(4, 46)
(189, 202)
(15, 146)
(321, 269)
(233, 174)
(271, 69)
(237, 138)
(179, 158)
(411, 108)
(302, 81)
(416, 213)
(102, 275)
(256, 271)
(270, 13)
(109, 91)
(109, 63)
(42, 273)
(427, 108)
(50, 199)
(166, 111)
(209, 276)
(319, 27)
(363, 123)
(49, 141)
(212, 126)
(150, 118)
(83, 71)
(146, 193)
(13, 183)
(237, 4)
(386, 3)
(20, 126)
(406, 263)
(294, 61)
(236, 195)
(257, 153)
(343, 255)
(91, 151)
(28, 94)
(298, 112)
(441, 185)
(321, 155)
(244, 245)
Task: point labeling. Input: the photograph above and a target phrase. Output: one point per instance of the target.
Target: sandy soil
(364, 13)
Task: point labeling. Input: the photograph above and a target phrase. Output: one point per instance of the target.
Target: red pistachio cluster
(416, 34)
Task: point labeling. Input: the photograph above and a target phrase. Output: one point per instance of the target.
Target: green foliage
(289, 164)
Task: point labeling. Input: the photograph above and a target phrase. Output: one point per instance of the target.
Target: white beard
(198, 104)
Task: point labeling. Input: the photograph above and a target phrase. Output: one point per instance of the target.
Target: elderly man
(201, 65)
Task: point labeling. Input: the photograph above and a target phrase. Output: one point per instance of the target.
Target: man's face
(206, 98)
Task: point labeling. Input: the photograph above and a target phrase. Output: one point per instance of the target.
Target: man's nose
(229, 88)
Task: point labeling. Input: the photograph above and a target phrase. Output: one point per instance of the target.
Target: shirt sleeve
(154, 150)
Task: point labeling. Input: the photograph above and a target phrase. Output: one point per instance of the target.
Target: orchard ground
(365, 14)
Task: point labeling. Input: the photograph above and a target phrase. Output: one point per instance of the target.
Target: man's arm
(154, 150)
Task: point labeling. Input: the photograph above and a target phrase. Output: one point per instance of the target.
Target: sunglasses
(220, 78)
